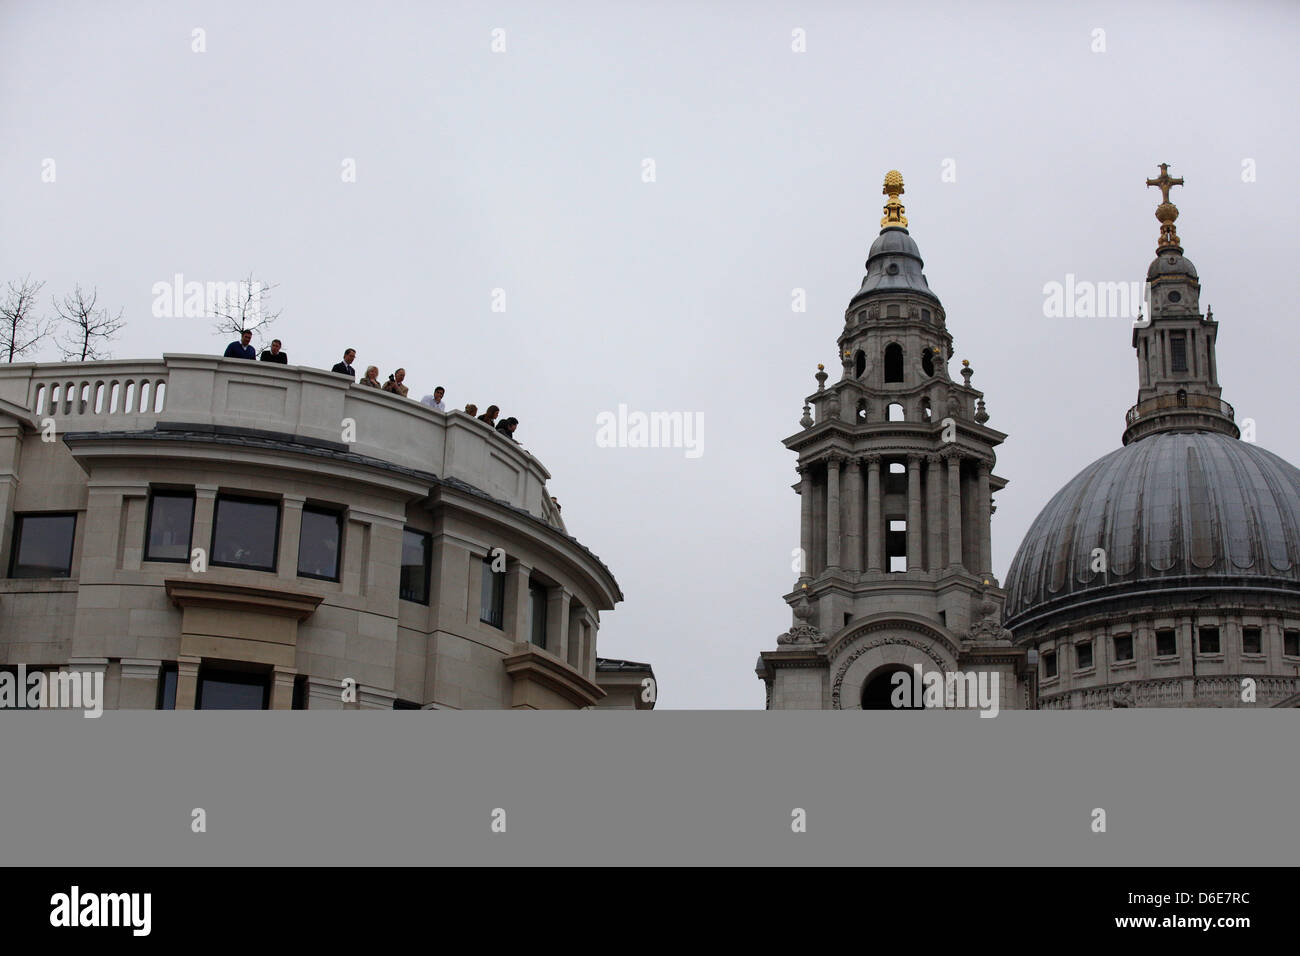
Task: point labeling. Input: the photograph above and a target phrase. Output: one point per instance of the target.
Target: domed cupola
(894, 263)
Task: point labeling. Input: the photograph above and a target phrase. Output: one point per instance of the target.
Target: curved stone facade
(357, 529)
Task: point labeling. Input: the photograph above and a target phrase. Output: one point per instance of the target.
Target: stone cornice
(187, 592)
(532, 663)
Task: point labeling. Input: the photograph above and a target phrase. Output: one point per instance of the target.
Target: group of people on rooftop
(243, 350)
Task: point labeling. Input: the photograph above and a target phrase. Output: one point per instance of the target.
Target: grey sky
(523, 171)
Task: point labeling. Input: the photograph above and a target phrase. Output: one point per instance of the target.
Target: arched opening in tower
(893, 362)
(886, 692)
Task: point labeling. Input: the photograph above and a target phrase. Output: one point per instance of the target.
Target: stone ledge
(531, 663)
(240, 597)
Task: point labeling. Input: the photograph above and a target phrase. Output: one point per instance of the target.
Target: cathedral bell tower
(1178, 377)
(895, 491)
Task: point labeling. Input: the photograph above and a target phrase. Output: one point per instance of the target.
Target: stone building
(895, 464)
(1167, 573)
(218, 533)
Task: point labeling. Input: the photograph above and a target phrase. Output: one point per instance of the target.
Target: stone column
(205, 503)
(187, 682)
(954, 508)
(874, 536)
(282, 679)
(806, 517)
(517, 622)
(557, 621)
(853, 533)
(984, 518)
(934, 511)
(915, 561)
(833, 463)
(139, 688)
(290, 534)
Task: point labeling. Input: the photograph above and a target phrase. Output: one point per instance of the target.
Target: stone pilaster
(806, 493)
(875, 535)
(187, 681)
(934, 511)
(984, 518)
(914, 557)
(833, 541)
(557, 621)
(953, 458)
(853, 533)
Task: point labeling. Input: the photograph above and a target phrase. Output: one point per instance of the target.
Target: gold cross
(1164, 182)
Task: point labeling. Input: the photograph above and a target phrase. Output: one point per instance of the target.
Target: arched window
(927, 362)
(1182, 398)
(925, 410)
(896, 413)
(893, 362)
(859, 363)
(862, 409)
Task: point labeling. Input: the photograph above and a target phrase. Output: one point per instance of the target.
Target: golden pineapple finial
(893, 209)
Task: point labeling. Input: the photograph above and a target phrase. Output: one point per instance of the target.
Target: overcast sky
(522, 170)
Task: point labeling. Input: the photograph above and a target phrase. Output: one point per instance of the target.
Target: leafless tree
(243, 308)
(89, 327)
(21, 330)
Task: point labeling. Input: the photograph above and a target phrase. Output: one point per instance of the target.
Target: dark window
(1049, 664)
(537, 609)
(927, 362)
(1083, 655)
(167, 688)
(492, 604)
(925, 315)
(43, 546)
(1166, 644)
(893, 362)
(416, 549)
(859, 363)
(232, 690)
(170, 524)
(319, 543)
(399, 704)
(1252, 641)
(1291, 643)
(1123, 647)
(245, 533)
(299, 701)
(1209, 640)
(1178, 352)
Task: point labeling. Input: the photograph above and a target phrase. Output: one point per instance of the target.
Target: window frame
(15, 545)
(330, 511)
(277, 503)
(428, 566)
(498, 586)
(232, 677)
(148, 523)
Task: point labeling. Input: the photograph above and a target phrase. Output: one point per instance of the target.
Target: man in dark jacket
(345, 367)
(507, 428)
(273, 354)
(241, 349)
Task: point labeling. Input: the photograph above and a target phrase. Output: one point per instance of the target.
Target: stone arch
(865, 647)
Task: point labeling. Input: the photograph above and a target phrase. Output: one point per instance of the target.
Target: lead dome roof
(1174, 508)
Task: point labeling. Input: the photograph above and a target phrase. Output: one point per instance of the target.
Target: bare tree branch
(90, 326)
(245, 311)
(20, 329)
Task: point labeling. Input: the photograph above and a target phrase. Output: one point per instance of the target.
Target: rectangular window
(319, 543)
(1166, 643)
(1049, 663)
(417, 547)
(1291, 643)
(43, 546)
(492, 603)
(1178, 351)
(169, 526)
(1252, 640)
(1083, 655)
(537, 610)
(1123, 647)
(232, 690)
(167, 688)
(245, 533)
(1209, 640)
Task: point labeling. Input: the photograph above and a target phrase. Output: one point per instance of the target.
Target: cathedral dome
(894, 265)
(1171, 264)
(1174, 509)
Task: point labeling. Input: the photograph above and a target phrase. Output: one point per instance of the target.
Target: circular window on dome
(892, 268)
(1175, 297)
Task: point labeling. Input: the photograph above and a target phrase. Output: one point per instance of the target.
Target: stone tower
(895, 489)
